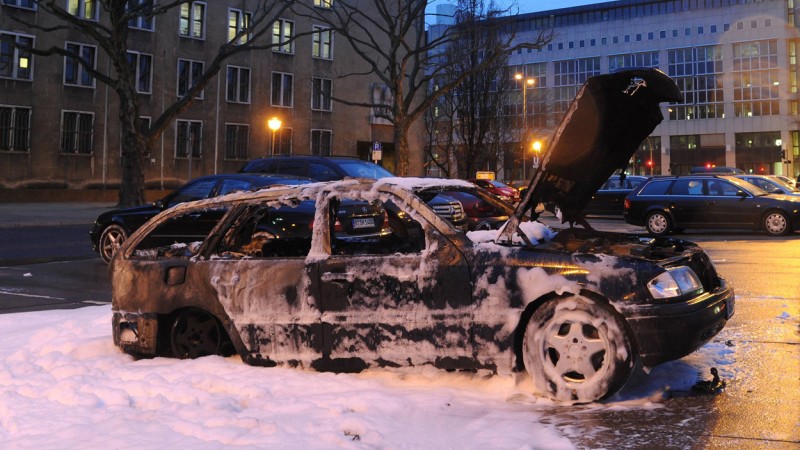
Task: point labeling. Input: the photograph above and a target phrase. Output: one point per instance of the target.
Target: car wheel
(658, 223)
(776, 223)
(195, 333)
(110, 241)
(577, 350)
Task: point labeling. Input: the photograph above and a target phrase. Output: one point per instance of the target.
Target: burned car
(577, 310)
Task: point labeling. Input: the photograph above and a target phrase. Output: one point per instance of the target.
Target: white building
(734, 60)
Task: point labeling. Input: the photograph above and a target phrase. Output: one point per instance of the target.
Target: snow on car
(577, 310)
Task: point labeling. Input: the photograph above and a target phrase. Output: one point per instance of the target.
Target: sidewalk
(51, 214)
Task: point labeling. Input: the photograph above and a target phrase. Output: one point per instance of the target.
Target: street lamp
(528, 82)
(274, 124)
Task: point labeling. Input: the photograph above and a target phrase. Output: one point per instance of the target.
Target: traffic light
(649, 163)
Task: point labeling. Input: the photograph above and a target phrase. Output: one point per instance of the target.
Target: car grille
(453, 212)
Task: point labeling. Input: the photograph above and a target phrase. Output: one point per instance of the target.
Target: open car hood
(607, 121)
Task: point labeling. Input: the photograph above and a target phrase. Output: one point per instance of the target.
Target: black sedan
(112, 227)
(577, 310)
(667, 204)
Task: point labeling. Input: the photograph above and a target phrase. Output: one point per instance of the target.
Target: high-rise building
(734, 60)
(59, 125)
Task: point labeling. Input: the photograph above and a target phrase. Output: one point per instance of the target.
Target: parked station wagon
(577, 310)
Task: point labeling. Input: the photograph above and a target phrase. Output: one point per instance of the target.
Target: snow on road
(63, 384)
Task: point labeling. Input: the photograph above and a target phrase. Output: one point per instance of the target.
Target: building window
(321, 89)
(321, 142)
(142, 10)
(238, 21)
(27, 4)
(568, 76)
(282, 89)
(189, 73)
(756, 82)
(15, 129)
(15, 62)
(643, 59)
(322, 43)
(142, 64)
(84, 9)
(189, 139)
(76, 72)
(323, 3)
(238, 85)
(193, 20)
(77, 132)
(282, 33)
(698, 73)
(237, 141)
(283, 142)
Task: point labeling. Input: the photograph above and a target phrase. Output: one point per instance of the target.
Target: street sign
(484, 175)
(535, 161)
(377, 152)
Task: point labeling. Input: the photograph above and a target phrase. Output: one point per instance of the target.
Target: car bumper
(136, 333)
(669, 332)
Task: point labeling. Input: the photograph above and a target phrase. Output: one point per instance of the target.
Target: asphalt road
(54, 267)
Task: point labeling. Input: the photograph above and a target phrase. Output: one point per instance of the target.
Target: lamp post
(528, 81)
(274, 124)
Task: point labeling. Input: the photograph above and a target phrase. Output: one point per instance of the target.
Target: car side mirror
(159, 204)
(741, 193)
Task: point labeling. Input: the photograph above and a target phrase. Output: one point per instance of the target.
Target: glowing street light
(274, 124)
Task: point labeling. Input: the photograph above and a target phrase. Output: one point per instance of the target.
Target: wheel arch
(232, 340)
(786, 215)
(530, 309)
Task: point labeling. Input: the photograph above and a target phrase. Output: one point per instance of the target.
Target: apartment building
(59, 125)
(734, 60)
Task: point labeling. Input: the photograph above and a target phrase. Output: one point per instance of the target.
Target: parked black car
(609, 200)
(666, 204)
(112, 227)
(482, 209)
(577, 310)
(320, 168)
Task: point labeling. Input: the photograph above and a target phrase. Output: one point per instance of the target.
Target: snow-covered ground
(63, 384)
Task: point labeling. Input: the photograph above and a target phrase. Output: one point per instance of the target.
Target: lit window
(238, 21)
(282, 33)
(15, 61)
(192, 22)
(84, 9)
(323, 3)
(322, 43)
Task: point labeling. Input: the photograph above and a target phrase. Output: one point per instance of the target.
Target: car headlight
(676, 281)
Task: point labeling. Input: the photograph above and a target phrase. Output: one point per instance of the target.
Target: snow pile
(535, 231)
(63, 384)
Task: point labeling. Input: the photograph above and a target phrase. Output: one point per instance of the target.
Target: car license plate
(363, 223)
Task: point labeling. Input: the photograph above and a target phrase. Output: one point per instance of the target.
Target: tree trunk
(134, 147)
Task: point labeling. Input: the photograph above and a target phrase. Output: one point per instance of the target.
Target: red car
(501, 190)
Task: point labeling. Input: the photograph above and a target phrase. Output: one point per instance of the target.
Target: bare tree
(468, 122)
(111, 36)
(390, 37)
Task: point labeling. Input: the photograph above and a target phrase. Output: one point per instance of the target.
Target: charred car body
(577, 310)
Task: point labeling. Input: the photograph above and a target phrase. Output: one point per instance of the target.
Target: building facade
(59, 125)
(734, 60)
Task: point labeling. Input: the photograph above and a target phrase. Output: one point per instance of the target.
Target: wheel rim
(112, 240)
(657, 223)
(575, 350)
(776, 223)
(195, 334)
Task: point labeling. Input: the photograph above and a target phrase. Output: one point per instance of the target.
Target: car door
(688, 204)
(266, 294)
(404, 300)
(730, 205)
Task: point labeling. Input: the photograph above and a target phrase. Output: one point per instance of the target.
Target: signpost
(376, 152)
(484, 175)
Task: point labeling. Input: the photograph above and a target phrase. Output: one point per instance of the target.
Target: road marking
(2, 291)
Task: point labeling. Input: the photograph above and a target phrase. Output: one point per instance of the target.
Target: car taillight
(385, 220)
(627, 204)
(337, 226)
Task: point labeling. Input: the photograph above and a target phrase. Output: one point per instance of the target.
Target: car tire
(776, 223)
(195, 333)
(577, 350)
(658, 223)
(110, 240)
